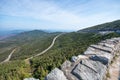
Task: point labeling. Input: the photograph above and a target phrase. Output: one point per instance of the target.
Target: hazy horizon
(58, 15)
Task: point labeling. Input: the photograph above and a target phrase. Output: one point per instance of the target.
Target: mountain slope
(26, 43)
(110, 26)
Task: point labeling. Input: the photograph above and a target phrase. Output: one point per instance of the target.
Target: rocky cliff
(92, 65)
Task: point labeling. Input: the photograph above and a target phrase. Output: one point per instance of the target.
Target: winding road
(44, 51)
(53, 42)
(9, 56)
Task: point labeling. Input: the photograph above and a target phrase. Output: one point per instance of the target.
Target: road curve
(51, 45)
(53, 42)
(9, 56)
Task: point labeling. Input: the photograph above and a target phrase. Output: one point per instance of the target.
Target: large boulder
(56, 74)
(90, 70)
(67, 67)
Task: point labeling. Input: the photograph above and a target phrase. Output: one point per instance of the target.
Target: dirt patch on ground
(114, 70)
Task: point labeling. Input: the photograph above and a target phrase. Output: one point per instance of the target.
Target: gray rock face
(92, 65)
(90, 70)
(93, 51)
(66, 67)
(102, 48)
(56, 74)
(106, 44)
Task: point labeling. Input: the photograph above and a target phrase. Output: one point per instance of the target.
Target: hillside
(110, 26)
(26, 43)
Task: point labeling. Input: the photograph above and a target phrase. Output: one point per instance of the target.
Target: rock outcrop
(56, 74)
(93, 65)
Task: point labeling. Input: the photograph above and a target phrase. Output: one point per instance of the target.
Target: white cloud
(75, 16)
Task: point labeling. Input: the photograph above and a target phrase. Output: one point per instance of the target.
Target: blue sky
(57, 14)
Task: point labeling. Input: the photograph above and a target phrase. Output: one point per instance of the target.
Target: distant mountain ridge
(5, 34)
(109, 26)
